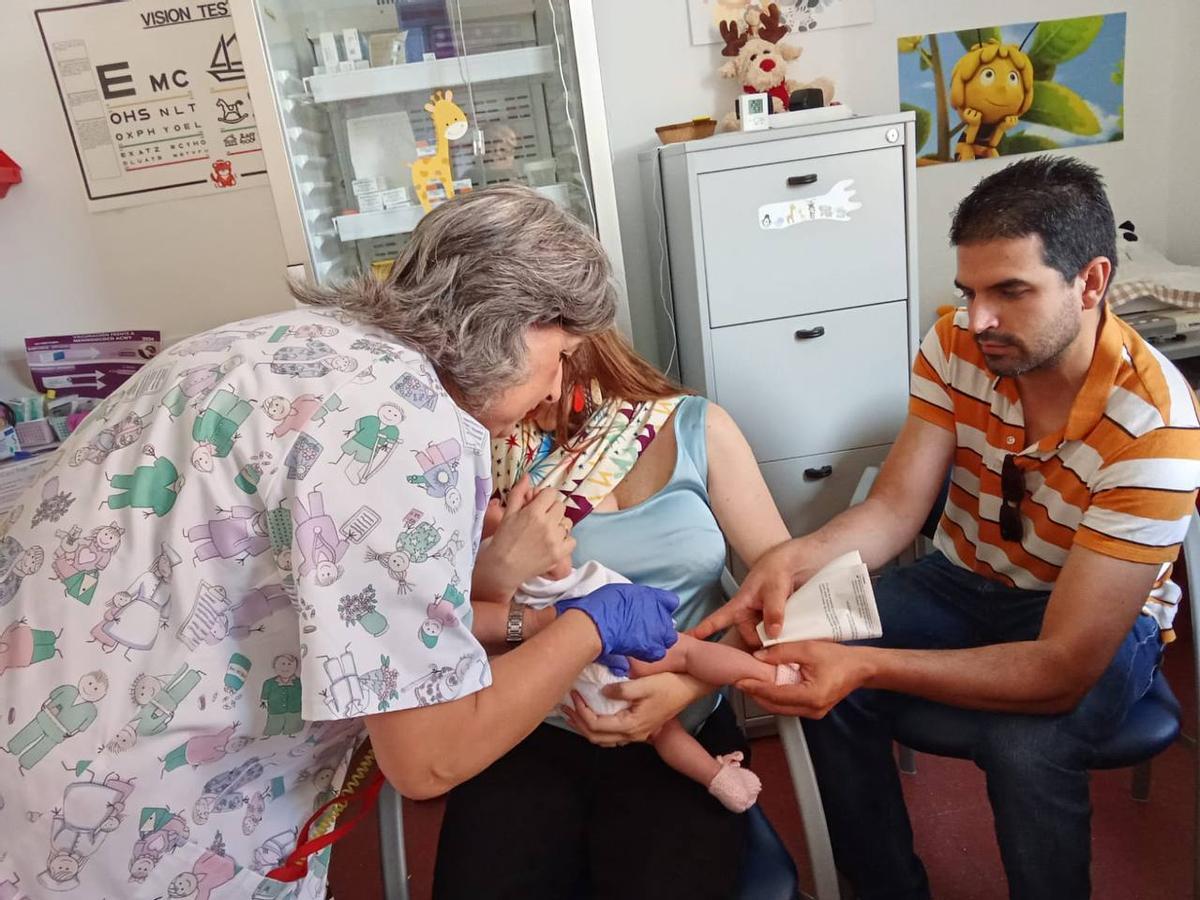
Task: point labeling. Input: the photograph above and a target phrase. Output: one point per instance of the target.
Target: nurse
(110, 680)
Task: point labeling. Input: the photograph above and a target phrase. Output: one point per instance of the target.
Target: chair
(1151, 726)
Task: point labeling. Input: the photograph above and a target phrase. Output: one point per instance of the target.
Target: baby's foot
(735, 787)
(787, 673)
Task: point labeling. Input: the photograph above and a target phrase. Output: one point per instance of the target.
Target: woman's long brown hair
(621, 373)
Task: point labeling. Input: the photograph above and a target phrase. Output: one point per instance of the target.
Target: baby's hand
(491, 517)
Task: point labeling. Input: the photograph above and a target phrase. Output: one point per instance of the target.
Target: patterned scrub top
(264, 536)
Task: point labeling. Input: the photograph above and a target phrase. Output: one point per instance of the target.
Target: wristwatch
(514, 631)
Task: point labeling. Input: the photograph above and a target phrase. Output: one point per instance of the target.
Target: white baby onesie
(538, 593)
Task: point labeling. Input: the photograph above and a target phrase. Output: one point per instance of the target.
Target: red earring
(577, 399)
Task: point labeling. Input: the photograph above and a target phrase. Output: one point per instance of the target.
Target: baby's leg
(711, 662)
(735, 787)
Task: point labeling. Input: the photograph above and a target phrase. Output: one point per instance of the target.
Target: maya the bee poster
(1022, 88)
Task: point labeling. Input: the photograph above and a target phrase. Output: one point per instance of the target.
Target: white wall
(180, 266)
(653, 75)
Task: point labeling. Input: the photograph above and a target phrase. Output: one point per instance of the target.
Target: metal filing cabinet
(802, 327)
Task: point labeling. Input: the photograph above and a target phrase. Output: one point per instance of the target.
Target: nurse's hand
(532, 536)
(653, 701)
(632, 619)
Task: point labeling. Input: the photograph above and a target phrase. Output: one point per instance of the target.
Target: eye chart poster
(155, 96)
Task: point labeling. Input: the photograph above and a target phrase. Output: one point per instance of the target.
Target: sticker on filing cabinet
(835, 205)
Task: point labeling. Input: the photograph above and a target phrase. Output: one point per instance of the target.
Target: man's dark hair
(1058, 198)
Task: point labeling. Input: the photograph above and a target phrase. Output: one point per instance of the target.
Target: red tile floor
(1139, 850)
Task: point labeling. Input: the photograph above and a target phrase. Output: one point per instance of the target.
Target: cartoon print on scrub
(439, 471)
(443, 683)
(304, 332)
(79, 560)
(361, 609)
(439, 615)
(158, 697)
(413, 546)
(280, 697)
(210, 870)
(216, 427)
(22, 646)
(195, 385)
(16, 564)
(370, 443)
(202, 749)
(90, 812)
(123, 434)
(54, 505)
(214, 616)
(273, 851)
(318, 539)
(344, 696)
(133, 617)
(214, 341)
(160, 831)
(235, 534)
(152, 489)
(223, 793)
(315, 359)
(68, 711)
(291, 415)
(252, 471)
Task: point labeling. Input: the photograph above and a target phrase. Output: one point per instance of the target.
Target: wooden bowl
(699, 127)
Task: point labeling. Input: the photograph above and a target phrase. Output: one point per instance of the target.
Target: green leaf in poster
(910, 43)
(1056, 42)
(1026, 143)
(972, 36)
(1061, 107)
(924, 122)
(1044, 72)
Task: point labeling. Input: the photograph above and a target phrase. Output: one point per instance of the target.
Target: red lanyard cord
(295, 866)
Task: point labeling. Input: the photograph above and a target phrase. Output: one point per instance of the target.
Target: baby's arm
(708, 661)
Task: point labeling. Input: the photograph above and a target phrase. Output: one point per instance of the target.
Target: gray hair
(475, 275)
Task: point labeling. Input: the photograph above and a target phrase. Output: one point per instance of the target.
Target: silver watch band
(514, 631)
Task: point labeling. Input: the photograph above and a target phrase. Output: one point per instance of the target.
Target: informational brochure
(836, 604)
(89, 365)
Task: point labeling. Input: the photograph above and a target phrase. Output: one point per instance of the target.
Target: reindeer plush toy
(759, 61)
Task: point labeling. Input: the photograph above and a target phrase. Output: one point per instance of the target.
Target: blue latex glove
(617, 663)
(633, 620)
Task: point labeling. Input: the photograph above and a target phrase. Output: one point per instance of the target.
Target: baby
(735, 787)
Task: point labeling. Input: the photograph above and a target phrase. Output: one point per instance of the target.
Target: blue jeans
(1036, 766)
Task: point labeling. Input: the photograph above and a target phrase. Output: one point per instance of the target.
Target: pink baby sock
(735, 787)
(787, 673)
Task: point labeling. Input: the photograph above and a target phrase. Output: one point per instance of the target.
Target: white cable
(464, 69)
(661, 229)
(571, 122)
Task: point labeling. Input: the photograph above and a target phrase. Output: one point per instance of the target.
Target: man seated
(1073, 450)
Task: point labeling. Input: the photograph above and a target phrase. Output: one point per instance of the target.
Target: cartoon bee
(991, 87)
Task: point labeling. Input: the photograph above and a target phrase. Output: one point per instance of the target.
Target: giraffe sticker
(449, 124)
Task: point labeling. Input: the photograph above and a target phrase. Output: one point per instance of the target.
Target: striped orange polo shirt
(1120, 479)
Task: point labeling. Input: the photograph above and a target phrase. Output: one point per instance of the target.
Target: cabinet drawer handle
(818, 474)
(807, 334)
(801, 180)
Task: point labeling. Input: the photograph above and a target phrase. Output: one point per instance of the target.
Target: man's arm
(1092, 607)
(879, 528)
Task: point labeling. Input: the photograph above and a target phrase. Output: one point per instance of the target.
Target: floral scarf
(606, 447)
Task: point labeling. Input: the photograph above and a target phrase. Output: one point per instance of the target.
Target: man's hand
(828, 672)
(761, 598)
(653, 701)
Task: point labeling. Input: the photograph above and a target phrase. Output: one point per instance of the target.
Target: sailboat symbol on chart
(223, 66)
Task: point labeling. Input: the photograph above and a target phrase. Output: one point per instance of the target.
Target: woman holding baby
(656, 482)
